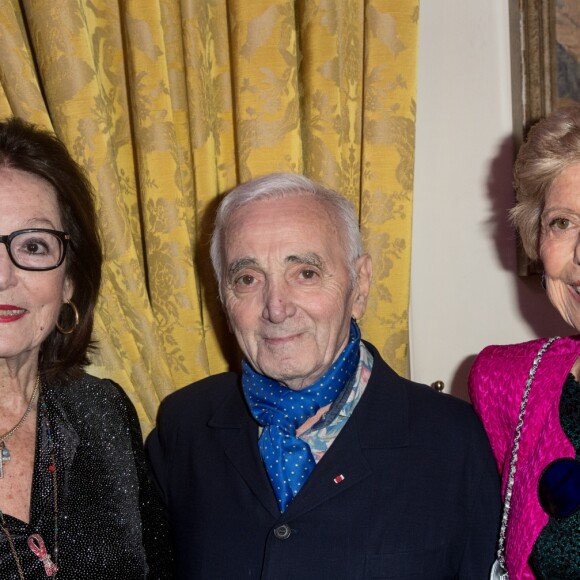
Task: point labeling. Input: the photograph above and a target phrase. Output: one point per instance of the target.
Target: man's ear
(364, 276)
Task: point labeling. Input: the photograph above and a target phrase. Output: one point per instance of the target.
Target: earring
(543, 281)
(76, 316)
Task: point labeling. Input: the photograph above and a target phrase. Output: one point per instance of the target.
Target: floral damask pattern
(170, 103)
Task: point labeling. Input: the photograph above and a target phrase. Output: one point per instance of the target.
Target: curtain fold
(168, 104)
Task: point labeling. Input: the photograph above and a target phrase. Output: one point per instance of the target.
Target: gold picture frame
(532, 38)
(545, 61)
(532, 32)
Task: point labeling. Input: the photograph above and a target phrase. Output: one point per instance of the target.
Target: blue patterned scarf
(281, 411)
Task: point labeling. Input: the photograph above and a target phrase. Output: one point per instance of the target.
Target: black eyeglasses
(36, 249)
(559, 487)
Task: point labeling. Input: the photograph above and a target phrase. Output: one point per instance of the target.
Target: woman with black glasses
(528, 395)
(75, 501)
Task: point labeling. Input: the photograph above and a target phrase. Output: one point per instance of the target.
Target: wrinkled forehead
(297, 223)
(27, 200)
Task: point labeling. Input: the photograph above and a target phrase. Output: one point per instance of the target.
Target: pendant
(4, 456)
(36, 545)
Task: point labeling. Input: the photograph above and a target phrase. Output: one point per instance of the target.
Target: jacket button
(282, 532)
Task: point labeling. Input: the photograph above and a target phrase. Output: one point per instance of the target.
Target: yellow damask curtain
(169, 103)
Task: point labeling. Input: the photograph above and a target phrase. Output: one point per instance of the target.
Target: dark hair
(30, 149)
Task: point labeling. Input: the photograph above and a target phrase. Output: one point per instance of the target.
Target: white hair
(280, 185)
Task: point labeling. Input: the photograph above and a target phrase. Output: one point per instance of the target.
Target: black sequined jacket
(110, 522)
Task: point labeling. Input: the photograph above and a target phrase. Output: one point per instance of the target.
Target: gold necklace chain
(9, 434)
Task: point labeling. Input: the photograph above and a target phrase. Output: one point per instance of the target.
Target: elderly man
(318, 462)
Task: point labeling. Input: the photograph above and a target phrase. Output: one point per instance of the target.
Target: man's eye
(245, 280)
(560, 223)
(308, 274)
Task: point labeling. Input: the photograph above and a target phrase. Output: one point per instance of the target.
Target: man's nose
(278, 302)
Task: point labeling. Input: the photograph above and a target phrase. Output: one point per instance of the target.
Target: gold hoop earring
(75, 312)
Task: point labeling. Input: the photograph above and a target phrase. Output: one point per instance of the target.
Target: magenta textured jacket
(496, 384)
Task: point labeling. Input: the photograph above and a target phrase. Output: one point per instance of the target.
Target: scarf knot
(280, 411)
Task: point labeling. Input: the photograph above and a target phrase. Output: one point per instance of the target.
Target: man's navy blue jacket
(409, 489)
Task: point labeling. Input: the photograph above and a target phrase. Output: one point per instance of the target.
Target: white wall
(464, 290)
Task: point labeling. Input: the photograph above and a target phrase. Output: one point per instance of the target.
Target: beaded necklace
(35, 541)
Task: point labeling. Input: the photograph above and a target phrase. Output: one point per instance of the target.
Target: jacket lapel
(342, 467)
(380, 421)
(66, 442)
(240, 441)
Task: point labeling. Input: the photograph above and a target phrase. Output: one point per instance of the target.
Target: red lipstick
(11, 313)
